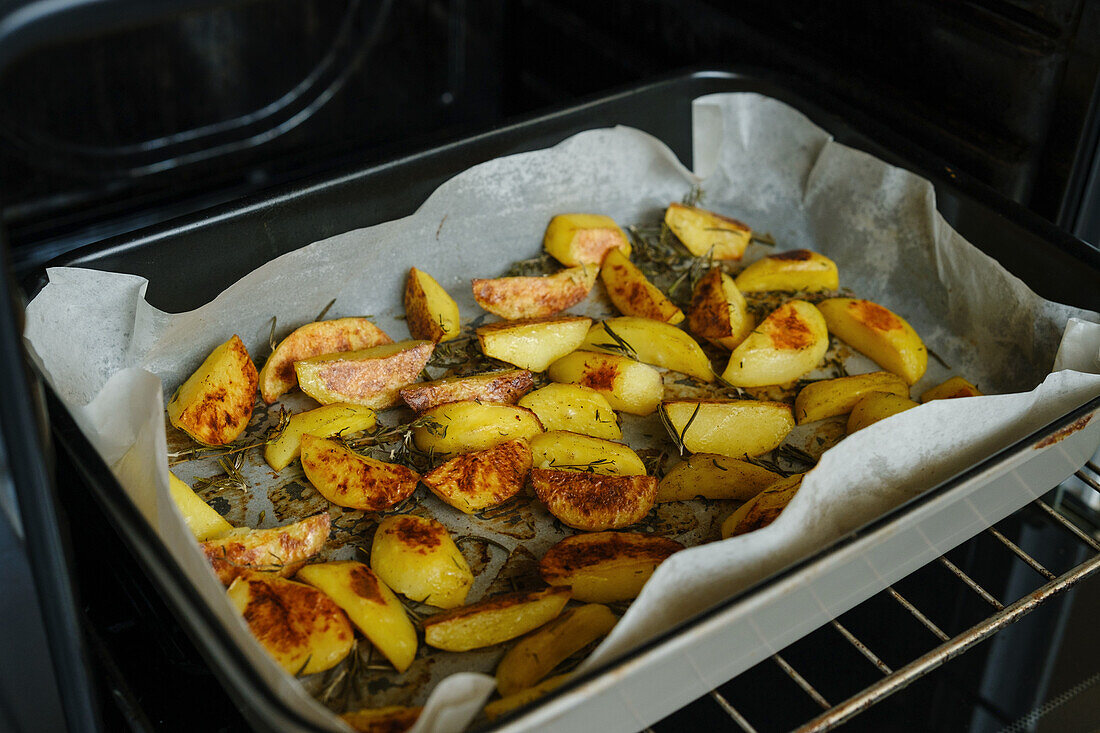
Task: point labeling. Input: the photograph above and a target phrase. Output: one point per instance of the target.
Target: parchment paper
(114, 359)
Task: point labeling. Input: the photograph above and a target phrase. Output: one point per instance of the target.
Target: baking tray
(723, 641)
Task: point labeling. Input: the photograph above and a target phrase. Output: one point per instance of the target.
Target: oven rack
(894, 679)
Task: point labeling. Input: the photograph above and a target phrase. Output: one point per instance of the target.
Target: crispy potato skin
(215, 404)
(430, 312)
(832, 397)
(633, 294)
(878, 333)
(494, 620)
(794, 271)
(594, 502)
(718, 311)
(391, 719)
(583, 239)
(533, 343)
(790, 342)
(714, 476)
(281, 550)
(704, 232)
(350, 480)
(314, 339)
(473, 481)
(370, 377)
(733, 428)
(415, 556)
(953, 388)
(573, 407)
(534, 297)
(877, 406)
(605, 567)
(500, 387)
(763, 509)
(536, 655)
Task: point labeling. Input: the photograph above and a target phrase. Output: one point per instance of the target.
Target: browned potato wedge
(583, 239)
(592, 501)
(573, 407)
(536, 655)
(215, 404)
(417, 558)
(877, 406)
(370, 377)
(281, 550)
(719, 312)
(605, 567)
(533, 344)
(734, 428)
(633, 294)
(799, 270)
(464, 427)
(473, 481)
(430, 312)
(298, 625)
(878, 333)
(707, 233)
(790, 342)
(714, 476)
(626, 384)
(508, 703)
(314, 339)
(762, 510)
(390, 719)
(335, 419)
(535, 297)
(832, 397)
(494, 620)
(501, 387)
(350, 480)
(650, 342)
(951, 389)
(575, 452)
(201, 518)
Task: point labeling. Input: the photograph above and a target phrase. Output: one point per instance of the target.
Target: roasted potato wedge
(430, 312)
(416, 557)
(571, 406)
(878, 333)
(877, 406)
(370, 604)
(714, 476)
(494, 620)
(605, 567)
(535, 297)
(390, 719)
(473, 481)
(464, 427)
(215, 404)
(354, 481)
(314, 339)
(790, 342)
(832, 397)
(761, 510)
(734, 428)
(626, 384)
(707, 233)
(953, 388)
(650, 342)
(201, 518)
(536, 654)
(594, 502)
(508, 703)
(533, 344)
(633, 294)
(335, 419)
(799, 270)
(719, 312)
(500, 387)
(583, 239)
(575, 452)
(298, 625)
(370, 377)
(281, 550)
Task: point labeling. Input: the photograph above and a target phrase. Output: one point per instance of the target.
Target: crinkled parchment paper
(114, 359)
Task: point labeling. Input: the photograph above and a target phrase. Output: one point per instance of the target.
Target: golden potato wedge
(575, 452)
(605, 567)
(714, 476)
(761, 510)
(473, 481)
(799, 270)
(734, 428)
(536, 655)
(879, 334)
(626, 384)
(416, 557)
(350, 480)
(464, 427)
(594, 502)
(370, 377)
(298, 625)
(281, 550)
(790, 342)
(494, 620)
(633, 294)
(583, 239)
(201, 518)
(314, 339)
(580, 409)
(650, 342)
(705, 232)
(215, 404)
(430, 312)
(503, 387)
(877, 406)
(953, 388)
(370, 604)
(832, 397)
(535, 297)
(390, 719)
(335, 419)
(508, 703)
(719, 312)
(533, 344)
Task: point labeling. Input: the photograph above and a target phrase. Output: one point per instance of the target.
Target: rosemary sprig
(543, 264)
(620, 345)
(325, 310)
(937, 357)
(677, 436)
(589, 467)
(231, 479)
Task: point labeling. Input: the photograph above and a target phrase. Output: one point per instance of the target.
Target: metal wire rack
(893, 679)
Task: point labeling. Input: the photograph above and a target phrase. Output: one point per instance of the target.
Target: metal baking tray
(693, 657)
